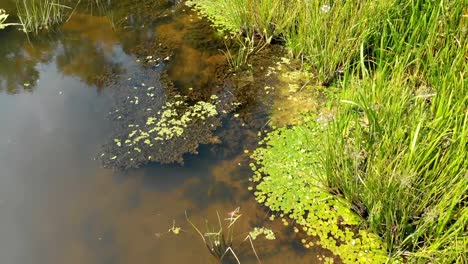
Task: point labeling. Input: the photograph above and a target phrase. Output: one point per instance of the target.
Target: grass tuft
(38, 15)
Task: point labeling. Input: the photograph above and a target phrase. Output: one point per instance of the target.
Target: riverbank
(379, 172)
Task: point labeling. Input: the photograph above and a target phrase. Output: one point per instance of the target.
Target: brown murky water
(58, 205)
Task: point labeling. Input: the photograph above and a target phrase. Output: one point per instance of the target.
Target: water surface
(57, 203)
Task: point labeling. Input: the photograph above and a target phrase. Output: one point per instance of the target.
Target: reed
(311, 30)
(219, 240)
(398, 150)
(38, 15)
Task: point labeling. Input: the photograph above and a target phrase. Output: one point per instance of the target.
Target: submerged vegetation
(220, 239)
(393, 159)
(153, 128)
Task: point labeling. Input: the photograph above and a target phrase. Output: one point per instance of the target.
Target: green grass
(219, 239)
(287, 180)
(310, 30)
(399, 156)
(397, 149)
(38, 15)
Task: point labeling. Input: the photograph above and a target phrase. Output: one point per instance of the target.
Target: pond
(58, 96)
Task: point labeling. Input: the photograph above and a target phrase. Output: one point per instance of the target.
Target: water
(59, 205)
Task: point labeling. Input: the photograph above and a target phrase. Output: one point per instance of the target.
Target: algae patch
(293, 94)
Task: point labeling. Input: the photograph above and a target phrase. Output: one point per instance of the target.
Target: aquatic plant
(171, 122)
(220, 240)
(287, 180)
(3, 18)
(163, 136)
(331, 45)
(154, 123)
(246, 46)
(37, 15)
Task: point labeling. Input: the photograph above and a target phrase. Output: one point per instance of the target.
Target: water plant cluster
(163, 135)
(37, 15)
(286, 181)
(171, 122)
(392, 163)
(220, 239)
